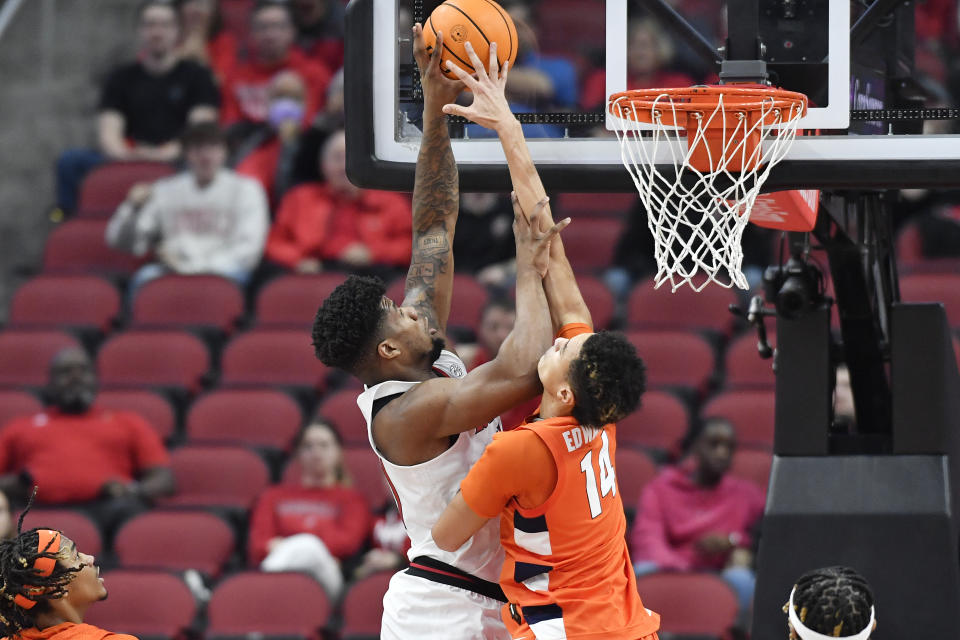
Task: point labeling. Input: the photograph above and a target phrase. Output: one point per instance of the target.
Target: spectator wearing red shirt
(697, 517)
(649, 52)
(389, 545)
(246, 91)
(110, 463)
(320, 30)
(203, 37)
(314, 525)
(338, 224)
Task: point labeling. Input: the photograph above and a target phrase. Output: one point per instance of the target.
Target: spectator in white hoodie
(207, 219)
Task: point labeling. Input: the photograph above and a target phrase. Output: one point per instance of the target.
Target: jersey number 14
(608, 476)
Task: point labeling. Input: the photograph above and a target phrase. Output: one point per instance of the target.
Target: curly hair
(22, 583)
(607, 378)
(833, 601)
(348, 323)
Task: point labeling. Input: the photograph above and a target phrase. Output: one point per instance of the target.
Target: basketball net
(699, 198)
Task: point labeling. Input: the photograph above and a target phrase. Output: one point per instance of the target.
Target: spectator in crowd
(111, 464)
(543, 81)
(327, 121)
(246, 91)
(6, 517)
(829, 602)
(389, 547)
(320, 30)
(145, 104)
(317, 523)
(649, 53)
(698, 517)
(203, 37)
(483, 245)
(335, 224)
(206, 219)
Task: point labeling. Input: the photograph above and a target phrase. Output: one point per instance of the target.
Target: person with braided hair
(46, 587)
(832, 602)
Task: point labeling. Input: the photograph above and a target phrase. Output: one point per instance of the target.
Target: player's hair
(349, 323)
(607, 378)
(19, 578)
(833, 601)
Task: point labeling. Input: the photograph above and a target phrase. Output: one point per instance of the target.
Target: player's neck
(550, 407)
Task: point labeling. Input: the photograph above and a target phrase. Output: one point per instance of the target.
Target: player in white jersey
(428, 419)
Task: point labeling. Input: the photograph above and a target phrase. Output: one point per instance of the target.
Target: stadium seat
(146, 604)
(65, 301)
(469, 298)
(341, 408)
(753, 465)
(690, 604)
(79, 246)
(14, 404)
(590, 243)
(273, 357)
(254, 604)
(566, 28)
(188, 301)
(634, 470)
(745, 369)
(175, 541)
(291, 301)
(707, 310)
(910, 258)
(25, 356)
(365, 472)
(934, 287)
(750, 413)
(598, 298)
(153, 407)
(107, 186)
(146, 358)
(251, 417)
(661, 422)
(73, 524)
(579, 205)
(240, 476)
(675, 359)
(360, 620)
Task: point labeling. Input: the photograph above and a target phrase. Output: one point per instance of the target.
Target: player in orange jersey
(552, 481)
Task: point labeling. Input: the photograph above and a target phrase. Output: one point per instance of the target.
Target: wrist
(509, 127)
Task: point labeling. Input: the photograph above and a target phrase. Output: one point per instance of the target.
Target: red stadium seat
(745, 369)
(598, 299)
(566, 28)
(753, 465)
(365, 472)
(265, 357)
(14, 404)
(217, 477)
(188, 301)
(361, 619)
(634, 471)
(107, 186)
(65, 301)
(291, 605)
(661, 422)
(590, 243)
(292, 301)
(934, 287)
(675, 359)
(469, 298)
(79, 246)
(695, 604)
(25, 356)
(750, 413)
(341, 408)
(175, 541)
(579, 205)
(252, 417)
(153, 359)
(145, 604)
(707, 310)
(73, 524)
(153, 407)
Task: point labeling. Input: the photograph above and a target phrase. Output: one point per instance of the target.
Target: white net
(697, 214)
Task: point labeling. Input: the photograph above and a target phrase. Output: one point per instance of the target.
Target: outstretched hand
(533, 247)
(438, 89)
(490, 108)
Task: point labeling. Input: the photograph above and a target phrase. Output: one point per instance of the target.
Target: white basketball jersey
(424, 490)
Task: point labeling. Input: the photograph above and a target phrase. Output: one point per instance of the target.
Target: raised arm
(436, 194)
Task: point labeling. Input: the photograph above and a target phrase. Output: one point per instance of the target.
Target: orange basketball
(478, 22)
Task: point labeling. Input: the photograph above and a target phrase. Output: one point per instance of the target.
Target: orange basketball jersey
(567, 572)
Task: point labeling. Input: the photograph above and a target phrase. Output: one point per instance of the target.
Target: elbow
(444, 540)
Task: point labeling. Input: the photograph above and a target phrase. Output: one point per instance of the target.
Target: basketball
(478, 22)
